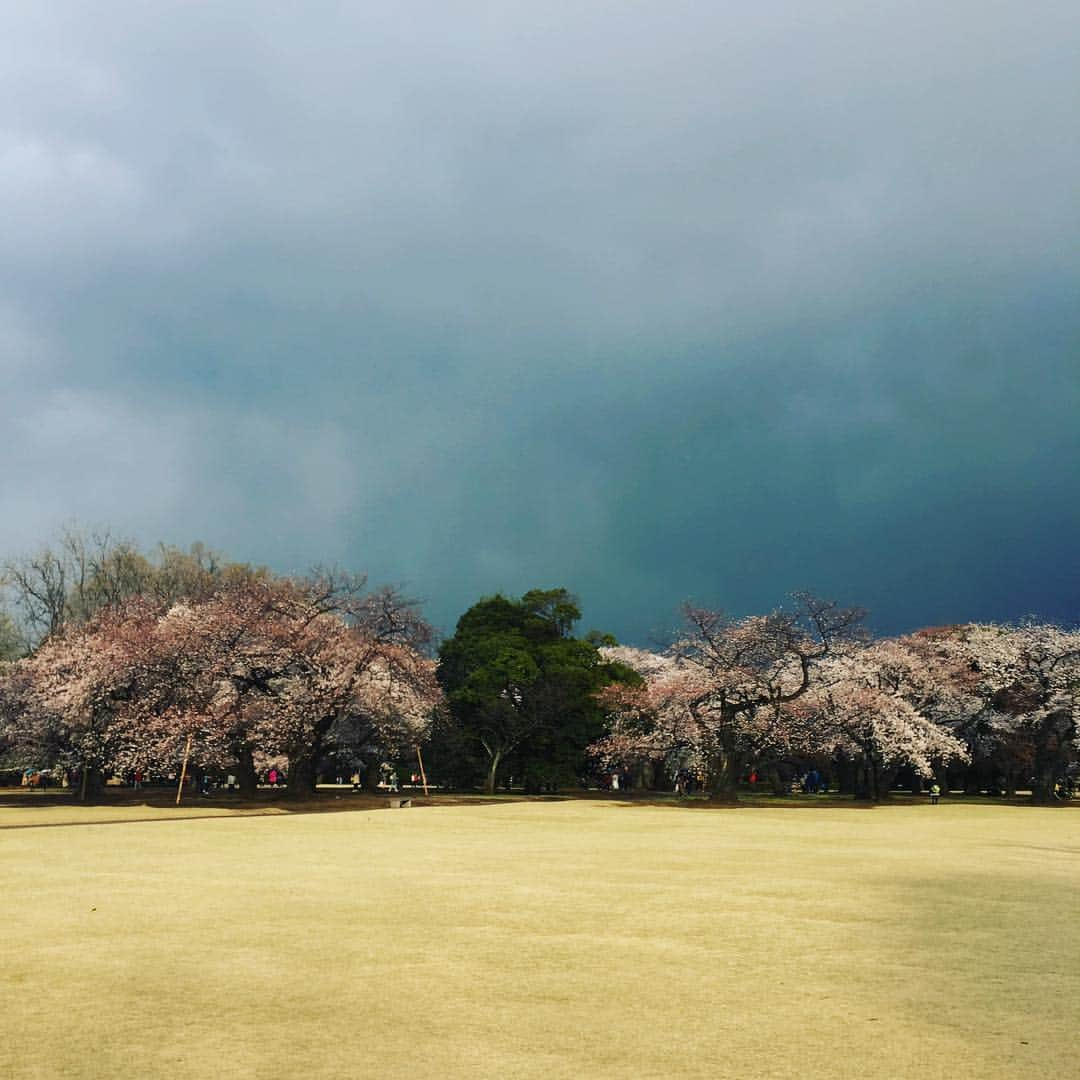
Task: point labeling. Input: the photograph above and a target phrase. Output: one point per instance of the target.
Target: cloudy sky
(652, 300)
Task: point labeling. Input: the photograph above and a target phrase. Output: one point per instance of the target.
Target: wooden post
(183, 770)
(423, 775)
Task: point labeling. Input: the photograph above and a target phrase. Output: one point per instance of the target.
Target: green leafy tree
(521, 690)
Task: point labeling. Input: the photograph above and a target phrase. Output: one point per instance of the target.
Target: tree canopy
(521, 690)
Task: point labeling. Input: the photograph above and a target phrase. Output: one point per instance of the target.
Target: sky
(654, 301)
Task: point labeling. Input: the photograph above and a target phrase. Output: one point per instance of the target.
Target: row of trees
(807, 688)
(142, 663)
(117, 660)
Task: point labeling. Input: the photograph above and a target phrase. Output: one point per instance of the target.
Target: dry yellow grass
(544, 939)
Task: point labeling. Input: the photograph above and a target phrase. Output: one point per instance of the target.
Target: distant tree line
(114, 660)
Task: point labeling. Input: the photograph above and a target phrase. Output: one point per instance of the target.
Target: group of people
(388, 779)
(813, 783)
(204, 782)
(40, 778)
(688, 781)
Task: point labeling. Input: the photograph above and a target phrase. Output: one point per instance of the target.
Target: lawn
(541, 939)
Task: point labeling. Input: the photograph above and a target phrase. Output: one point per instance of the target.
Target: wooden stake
(183, 770)
(423, 775)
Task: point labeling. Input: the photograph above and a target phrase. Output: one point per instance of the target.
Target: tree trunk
(848, 783)
(246, 778)
(725, 768)
(370, 782)
(885, 780)
(864, 780)
(493, 769)
(776, 781)
(647, 776)
(91, 783)
(300, 783)
(304, 763)
(973, 780)
(1042, 791)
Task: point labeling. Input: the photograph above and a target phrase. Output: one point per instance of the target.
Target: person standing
(935, 793)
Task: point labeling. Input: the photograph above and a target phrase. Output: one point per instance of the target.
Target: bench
(397, 803)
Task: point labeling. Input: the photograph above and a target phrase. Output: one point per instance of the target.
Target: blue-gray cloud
(653, 301)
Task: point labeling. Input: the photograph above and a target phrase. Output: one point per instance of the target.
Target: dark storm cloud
(653, 301)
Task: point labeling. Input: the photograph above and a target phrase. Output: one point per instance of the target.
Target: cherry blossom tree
(719, 696)
(77, 685)
(328, 678)
(652, 724)
(283, 668)
(261, 666)
(185, 694)
(943, 685)
(1029, 678)
(871, 705)
(15, 730)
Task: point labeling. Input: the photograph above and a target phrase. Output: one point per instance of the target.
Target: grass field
(542, 939)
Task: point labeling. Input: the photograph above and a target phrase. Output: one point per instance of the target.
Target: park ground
(569, 938)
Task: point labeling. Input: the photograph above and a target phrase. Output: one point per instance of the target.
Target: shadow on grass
(212, 808)
(748, 801)
(218, 807)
